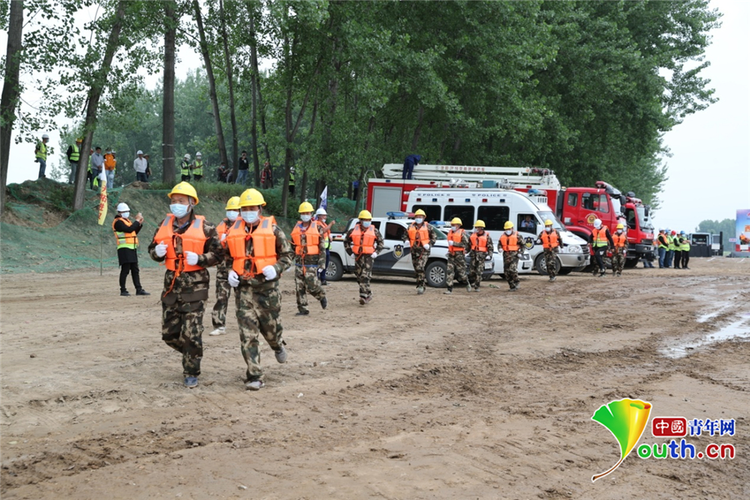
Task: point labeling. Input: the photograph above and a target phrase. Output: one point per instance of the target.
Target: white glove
(223, 237)
(191, 258)
(450, 243)
(426, 246)
(270, 273)
(233, 279)
(374, 255)
(161, 249)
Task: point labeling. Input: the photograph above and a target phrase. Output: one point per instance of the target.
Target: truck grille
(585, 249)
(647, 242)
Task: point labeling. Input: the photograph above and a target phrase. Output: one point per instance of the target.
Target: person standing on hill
(74, 154)
(110, 163)
(140, 165)
(97, 165)
(243, 167)
(421, 238)
(40, 155)
(197, 167)
(185, 168)
(266, 176)
(126, 235)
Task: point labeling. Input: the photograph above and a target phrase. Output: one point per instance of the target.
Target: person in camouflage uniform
(365, 242)
(619, 246)
(309, 244)
(551, 241)
(219, 313)
(187, 244)
(257, 253)
(421, 237)
(481, 249)
(458, 245)
(511, 244)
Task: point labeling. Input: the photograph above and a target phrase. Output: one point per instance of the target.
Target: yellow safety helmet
(508, 225)
(233, 203)
(620, 226)
(252, 198)
(456, 220)
(365, 214)
(306, 207)
(420, 212)
(479, 223)
(548, 222)
(186, 189)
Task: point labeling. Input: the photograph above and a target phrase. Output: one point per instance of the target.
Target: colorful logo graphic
(398, 251)
(669, 427)
(626, 419)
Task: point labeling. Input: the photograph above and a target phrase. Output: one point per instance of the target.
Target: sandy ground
(486, 395)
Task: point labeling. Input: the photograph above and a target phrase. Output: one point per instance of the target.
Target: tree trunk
(303, 187)
(170, 35)
(254, 90)
(211, 83)
(11, 92)
(95, 93)
(230, 83)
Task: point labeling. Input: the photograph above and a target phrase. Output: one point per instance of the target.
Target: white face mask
(619, 231)
(419, 220)
(125, 215)
(456, 228)
(179, 210)
(509, 232)
(250, 216)
(548, 229)
(366, 223)
(232, 215)
(306, 217)
(322, 220)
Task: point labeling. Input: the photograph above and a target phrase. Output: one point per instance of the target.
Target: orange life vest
(264, 246)
(193, 240)
(510, 243)
(125, 240)
(550, 240)
(455, 237)
(479, 243)
(363, 242)
(109, 161)
(312, 239)
(419, 235)
(620, 240)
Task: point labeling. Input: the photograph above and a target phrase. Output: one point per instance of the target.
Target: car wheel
(631, 263)
(541, 265)
(335, 269)
(565, 270)
(435, 273)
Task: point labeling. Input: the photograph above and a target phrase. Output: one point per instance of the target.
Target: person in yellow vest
(257, 253)
(421, 238)
(511, 243)
(684, 249)
(662, 243)
(677, 244)
(197, 167)
(219, 313)
(110, 163)
(364, 242)
(40, 155)
(458, 245)
(74, 154)
(619, 248)
(480, 251)
(670, 248)
(308, 242)
(185, 167)
(600, 240)
(321, 216)
(551, 241)
(187, 244)
(126, 235)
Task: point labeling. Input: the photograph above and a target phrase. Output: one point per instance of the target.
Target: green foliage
(715, 227)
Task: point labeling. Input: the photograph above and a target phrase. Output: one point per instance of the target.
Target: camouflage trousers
(618, 260)
(258, 309)
(306, 281)
(476, 268)
(510, 268)
(550, 260)
(363, 272)
(182, 330)
(456, 266)
(419, 261)
(223, 290)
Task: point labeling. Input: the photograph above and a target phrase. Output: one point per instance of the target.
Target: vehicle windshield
(549, 215)
(644, 220)
(617, 205)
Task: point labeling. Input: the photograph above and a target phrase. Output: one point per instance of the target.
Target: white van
(495, 207)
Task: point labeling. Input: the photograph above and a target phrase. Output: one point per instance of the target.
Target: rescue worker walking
(511, 244)
(421, 238)
(321, 216)
(619, 247)
(458, 245)
(365, 242)
(600, 240)
(550, 239)
(480, 250)
(126, 235)
(223, 290)
(187, 244)
(308, 242)
(258, 252)
(685, 250)
(185, 168)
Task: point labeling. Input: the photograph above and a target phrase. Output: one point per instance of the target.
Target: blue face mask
(179, 210)
(366, 224)
(232, 215)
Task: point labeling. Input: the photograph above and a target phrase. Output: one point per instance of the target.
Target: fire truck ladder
(505, 177)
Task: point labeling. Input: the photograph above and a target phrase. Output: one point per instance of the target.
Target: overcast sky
(709, 170)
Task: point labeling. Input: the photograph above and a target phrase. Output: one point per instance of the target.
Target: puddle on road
(738, 330)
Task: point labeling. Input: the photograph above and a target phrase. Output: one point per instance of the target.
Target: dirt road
(486, 395)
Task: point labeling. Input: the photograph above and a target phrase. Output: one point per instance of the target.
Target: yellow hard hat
(306, 207)
(365, 214)
(548, 222)
(620, 226)
(186, 189)
(420, 212)
(508, 225)
(233, 203)
(252, 198)
(479, 223)
(456, 220)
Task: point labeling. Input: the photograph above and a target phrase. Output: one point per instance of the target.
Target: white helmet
(45, 136)
(321, 211)
(187, 156)
(123, 207)
(139, 152)
(597, 223)
(198, 155)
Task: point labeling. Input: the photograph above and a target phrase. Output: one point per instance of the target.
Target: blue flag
(324, 199)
